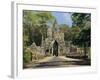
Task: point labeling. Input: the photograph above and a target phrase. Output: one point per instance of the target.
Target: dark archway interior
(55, 48)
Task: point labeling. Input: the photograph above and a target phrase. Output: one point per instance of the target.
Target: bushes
(27, 57)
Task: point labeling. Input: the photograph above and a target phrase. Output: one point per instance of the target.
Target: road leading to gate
(60, 61)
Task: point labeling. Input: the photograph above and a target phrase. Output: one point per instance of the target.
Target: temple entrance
(55, 48)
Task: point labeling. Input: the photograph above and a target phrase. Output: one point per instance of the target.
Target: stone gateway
(54, 44)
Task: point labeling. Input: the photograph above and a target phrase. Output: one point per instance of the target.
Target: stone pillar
(42, 46)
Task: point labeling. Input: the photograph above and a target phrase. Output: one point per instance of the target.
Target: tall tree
(83, 20)
(80, 19)
(34, 27)
(44, 19)
(67, 32)
(35, 24)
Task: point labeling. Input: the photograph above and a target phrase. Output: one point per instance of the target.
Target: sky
(63, 18)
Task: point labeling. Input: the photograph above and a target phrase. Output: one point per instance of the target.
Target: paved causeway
(57, 59)
(60, 61)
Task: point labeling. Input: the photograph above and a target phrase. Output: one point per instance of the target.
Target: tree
(67, 32)
(34, 27)
(75, 32)
(44, 19)
(28, 20)
(80, 19)
(82, 39)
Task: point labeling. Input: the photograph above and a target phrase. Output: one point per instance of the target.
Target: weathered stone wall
(36, 52)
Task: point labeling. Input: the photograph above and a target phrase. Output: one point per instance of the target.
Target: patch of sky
(63, 18)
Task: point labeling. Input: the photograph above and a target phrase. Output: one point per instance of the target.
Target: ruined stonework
(36, 52)
(55, 35)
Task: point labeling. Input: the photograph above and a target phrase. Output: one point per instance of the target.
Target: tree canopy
(35, 26)
(83, 36)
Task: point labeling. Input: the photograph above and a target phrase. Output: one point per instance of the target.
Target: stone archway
(55, 48)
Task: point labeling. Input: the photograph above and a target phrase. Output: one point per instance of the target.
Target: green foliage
(64, 28)
(82, 38)
(45, 16)
(81, 33)
(75, 32)
(35, 26)
(67, 32)
(80, 19)
(27, 57)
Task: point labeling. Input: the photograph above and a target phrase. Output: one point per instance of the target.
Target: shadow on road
(60, 63)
